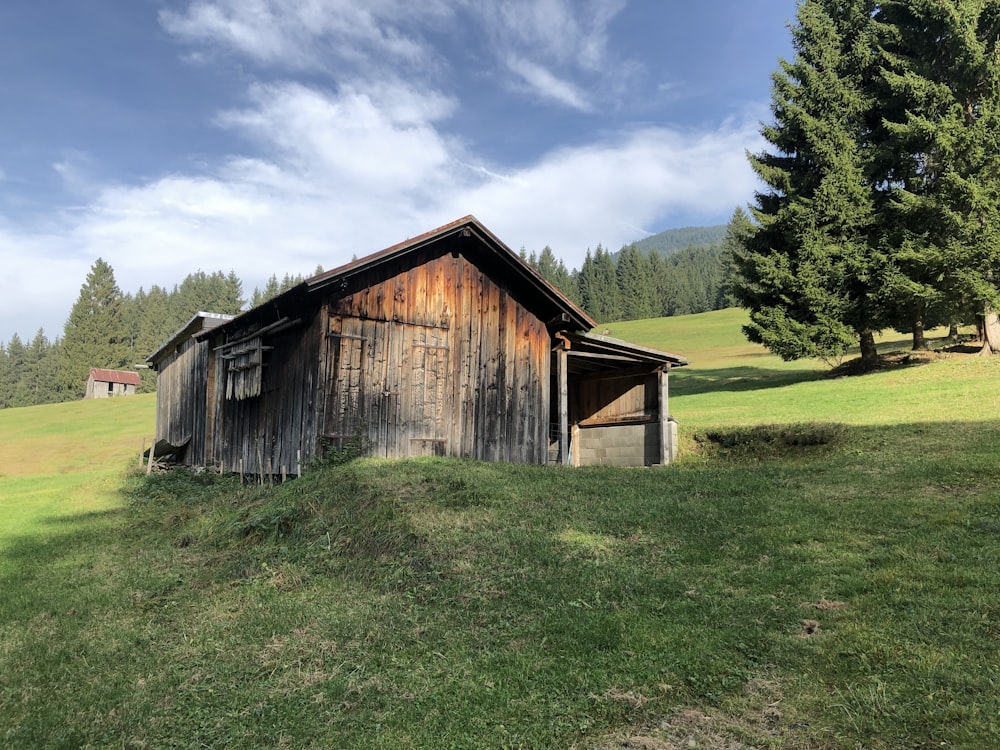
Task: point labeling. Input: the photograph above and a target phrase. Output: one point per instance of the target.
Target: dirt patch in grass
(770, 441)
(757, 718)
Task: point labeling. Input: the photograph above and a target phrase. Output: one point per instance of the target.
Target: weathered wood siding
(625, 399)
(426, 355)
(181, 399)
(267, 431)
(437, 358)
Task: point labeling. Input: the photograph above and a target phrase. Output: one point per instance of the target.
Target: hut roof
(561, 312)
(113, 376)
(200, 321)
(593, 353)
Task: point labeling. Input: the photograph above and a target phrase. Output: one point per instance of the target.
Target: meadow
(820, 569)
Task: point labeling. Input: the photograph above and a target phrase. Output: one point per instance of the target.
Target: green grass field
(819, 570)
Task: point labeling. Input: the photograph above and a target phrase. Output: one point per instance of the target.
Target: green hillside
(672, 240)
(819, 570)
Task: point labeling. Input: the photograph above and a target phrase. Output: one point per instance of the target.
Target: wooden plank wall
(180, 399)
(428, 356)
(438, 358)
(268, 431)
(606, 400)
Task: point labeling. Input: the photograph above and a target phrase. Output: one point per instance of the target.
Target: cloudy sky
(270, 136)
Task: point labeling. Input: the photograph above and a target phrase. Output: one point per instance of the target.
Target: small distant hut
(446, 344)
(107, 383)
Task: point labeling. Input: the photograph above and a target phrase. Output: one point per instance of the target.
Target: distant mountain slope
(672, 240)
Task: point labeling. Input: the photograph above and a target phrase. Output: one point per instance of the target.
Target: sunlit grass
(819, 570)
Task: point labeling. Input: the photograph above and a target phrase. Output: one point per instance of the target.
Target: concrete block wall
(619, 445)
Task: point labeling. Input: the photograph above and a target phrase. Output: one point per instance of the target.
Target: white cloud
(310, 34)
(349, 173)
(548, 86)
(543, 44)
(576, 198)
(35, 277)
(380, 139)
(317, 173)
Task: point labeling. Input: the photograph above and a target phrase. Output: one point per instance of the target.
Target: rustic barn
(446, 344)
(106, 383)
(181, 387)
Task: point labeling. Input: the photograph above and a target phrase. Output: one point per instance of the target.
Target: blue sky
(272, 136)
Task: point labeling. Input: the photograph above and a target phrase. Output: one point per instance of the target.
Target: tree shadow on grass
(690, 382)
(48, 570)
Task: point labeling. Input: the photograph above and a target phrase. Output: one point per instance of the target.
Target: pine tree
(7, 373)
(271, 289)
(635, 284)
(599, 293)
(95, 334)
(942, 77)
(37, 381)
(810, 271)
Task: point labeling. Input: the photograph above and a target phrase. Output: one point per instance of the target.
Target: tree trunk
(919, 342)
(991, 332)
(869, 354)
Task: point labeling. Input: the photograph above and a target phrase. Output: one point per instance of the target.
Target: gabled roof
(565, 314)
(114, 376)
(200, 321)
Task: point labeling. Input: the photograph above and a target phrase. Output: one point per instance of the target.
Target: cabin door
(430, 407)
(387, 385)
(345, 386)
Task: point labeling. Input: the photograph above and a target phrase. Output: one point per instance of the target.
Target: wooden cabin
(447, 344)
(107, 383)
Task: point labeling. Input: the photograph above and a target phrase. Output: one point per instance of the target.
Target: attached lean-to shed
(447, 344)
(107, 383)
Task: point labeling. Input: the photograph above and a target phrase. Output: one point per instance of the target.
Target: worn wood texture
(437, 359)
(268, 429)
(427, 355)
(181, 399)
(615, 399)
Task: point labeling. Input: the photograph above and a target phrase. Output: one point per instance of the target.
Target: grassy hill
(819, 570)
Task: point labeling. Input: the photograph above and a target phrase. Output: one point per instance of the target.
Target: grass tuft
(759, 442)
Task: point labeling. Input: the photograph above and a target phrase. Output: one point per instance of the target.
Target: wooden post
(666, 438)
(284, 474)
(149, 466)
(563, 375)
(298, 463)
(241, 471)
(260, 467)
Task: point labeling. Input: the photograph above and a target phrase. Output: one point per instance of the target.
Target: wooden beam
(666, 437)
(563, 376)
(275, 327)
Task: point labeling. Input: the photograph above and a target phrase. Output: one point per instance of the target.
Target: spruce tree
(95, 334)
(8, 371)
(810, 269)
(635, 285)
(942, 116)
(37, 381)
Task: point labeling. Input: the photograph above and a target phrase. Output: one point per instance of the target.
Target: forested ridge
(112, 329)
